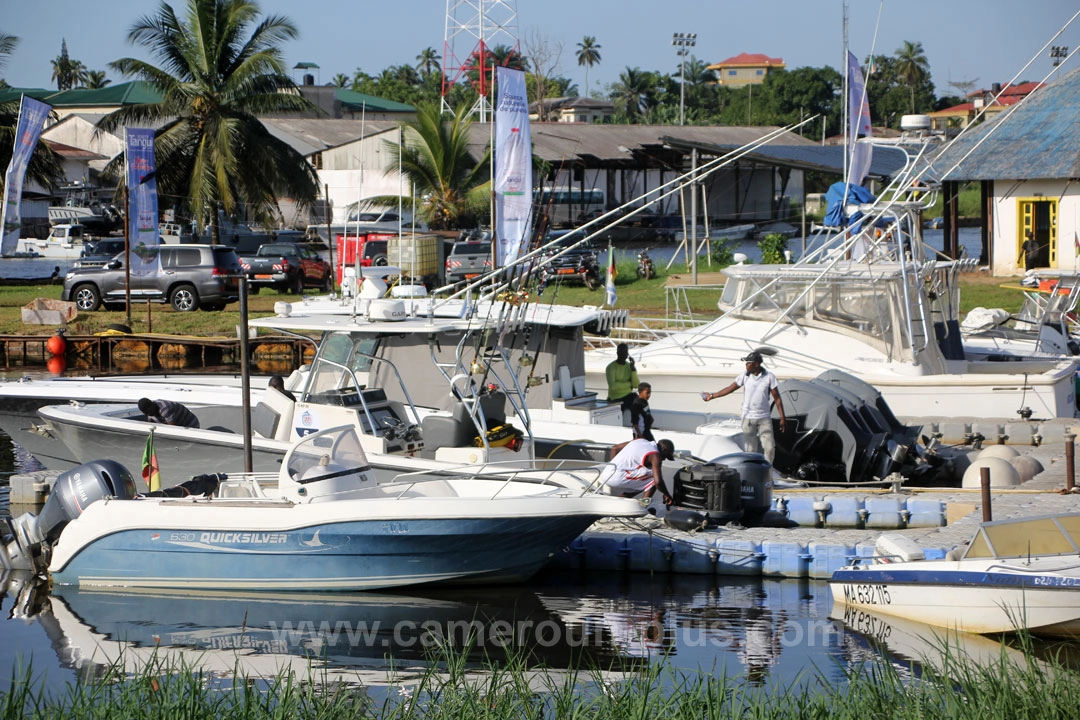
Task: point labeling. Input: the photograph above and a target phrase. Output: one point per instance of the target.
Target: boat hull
(336, 546)
(986, 599)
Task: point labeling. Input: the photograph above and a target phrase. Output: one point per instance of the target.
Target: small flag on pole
(1076, 242)
(609, 287)
(150, 471)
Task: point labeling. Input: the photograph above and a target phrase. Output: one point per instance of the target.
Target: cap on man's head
(753, 357)
(666, 448)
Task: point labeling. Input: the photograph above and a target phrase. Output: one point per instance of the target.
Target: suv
(469, 258)
(96, 254)
(191, 276)
(575, 265)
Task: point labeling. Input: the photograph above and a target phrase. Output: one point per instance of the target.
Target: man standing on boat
(635, 467)
(622, 379)
(758, 386)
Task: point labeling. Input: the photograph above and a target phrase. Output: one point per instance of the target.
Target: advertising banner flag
(513, 166)
(859, 123)
(32, 116)
(142, 216)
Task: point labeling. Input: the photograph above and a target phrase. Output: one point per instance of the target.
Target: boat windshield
(1057, 535)
(333, 450)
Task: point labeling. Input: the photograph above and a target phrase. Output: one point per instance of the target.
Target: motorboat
(1045, 326)
(65, 241)
(1015, 574)
(326, 524)
(871, 300)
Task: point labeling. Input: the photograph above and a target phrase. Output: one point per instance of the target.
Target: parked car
(567, 259)
(469, 258)
(191, 276)
(98, 253)
(286, 266)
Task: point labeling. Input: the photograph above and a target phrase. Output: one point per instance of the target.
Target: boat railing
(585, 477)
(346, 374)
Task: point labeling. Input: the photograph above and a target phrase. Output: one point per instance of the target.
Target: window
(184, 257)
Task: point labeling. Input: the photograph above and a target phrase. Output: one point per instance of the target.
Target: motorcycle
(645, 268)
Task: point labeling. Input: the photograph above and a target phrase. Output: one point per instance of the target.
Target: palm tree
(912, 66)
(7, 46)
(341, 80)
(95, 79)
(633, 92)
(588, 54)
(452, 190)
(66, 72)
(211, 149)
(427, 62)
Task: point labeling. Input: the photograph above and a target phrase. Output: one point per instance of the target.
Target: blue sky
(984, 40)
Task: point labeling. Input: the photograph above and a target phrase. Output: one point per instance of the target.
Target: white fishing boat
(65, 241)
(325, 524)
(1017, 574)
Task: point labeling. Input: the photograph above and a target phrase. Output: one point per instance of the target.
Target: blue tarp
(835, 201)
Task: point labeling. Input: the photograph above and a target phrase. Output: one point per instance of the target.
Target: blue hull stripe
(954, 578)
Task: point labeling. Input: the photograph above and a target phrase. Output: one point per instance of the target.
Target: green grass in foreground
(453, 690)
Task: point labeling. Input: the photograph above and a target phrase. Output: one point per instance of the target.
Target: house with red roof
(745, 69)
(988, 102)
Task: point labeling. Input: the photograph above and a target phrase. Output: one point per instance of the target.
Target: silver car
(191, 276)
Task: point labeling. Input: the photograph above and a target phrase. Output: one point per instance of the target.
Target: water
(33, 267)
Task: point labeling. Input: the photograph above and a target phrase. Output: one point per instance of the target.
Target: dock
(124, 352)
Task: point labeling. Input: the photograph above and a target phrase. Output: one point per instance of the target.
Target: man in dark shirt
(640, 416)
(168, 412)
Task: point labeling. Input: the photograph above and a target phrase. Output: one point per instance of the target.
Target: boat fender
(502, 436)
(688, 520)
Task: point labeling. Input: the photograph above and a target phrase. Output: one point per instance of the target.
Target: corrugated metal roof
(885, 161)
(1038, 139)
(312, 135)
(8, 94)
(357, 100)
(135, 92)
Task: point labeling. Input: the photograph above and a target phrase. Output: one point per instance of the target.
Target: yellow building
(745, 69)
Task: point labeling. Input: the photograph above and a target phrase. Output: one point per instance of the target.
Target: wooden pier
(127, 353)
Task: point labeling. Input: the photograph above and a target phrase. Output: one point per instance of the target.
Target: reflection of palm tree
(427, 62)
(912, 66)
(211, 149)
(452, 190)
(588, 54)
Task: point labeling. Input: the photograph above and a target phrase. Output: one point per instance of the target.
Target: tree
(544, 57)
(66, 72)
(211, 149)
(95, 79)
(588, 54)
(7, 47)
(451, 190)
(912, 66)
(427, 62)
(635, 93)
(340, 80)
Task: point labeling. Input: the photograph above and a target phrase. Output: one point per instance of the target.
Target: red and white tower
(473, 29)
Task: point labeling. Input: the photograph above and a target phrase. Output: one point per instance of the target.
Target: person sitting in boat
(635, 467)
(277, 383)
(167, 412)
(622, 379)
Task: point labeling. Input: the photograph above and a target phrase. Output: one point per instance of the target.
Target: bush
(773, 246)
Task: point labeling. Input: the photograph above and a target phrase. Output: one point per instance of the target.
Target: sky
(980, 41)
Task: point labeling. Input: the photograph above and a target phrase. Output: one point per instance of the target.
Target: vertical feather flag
(150, 471)
(609, 287)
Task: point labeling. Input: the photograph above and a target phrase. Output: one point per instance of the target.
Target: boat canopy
(1047, 535)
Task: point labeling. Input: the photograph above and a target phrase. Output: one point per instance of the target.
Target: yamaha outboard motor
(755, 474)
(73, 492)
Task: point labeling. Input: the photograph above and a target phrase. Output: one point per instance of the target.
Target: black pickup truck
(287, 267)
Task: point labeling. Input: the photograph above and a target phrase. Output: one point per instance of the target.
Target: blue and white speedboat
(326, 524)
(1015, 574)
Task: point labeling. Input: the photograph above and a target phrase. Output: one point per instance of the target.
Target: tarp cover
(835, 202)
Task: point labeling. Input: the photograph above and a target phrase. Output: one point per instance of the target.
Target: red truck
(287, 267)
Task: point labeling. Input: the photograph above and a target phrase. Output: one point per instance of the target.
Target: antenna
(472, 30)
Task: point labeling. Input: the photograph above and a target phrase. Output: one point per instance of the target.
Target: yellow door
(1039, 217)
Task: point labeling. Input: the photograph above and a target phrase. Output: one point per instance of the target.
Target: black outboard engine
(73, 492)
(755, 474)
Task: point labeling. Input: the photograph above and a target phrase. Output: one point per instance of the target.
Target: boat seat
(272, 416)
(457, 429)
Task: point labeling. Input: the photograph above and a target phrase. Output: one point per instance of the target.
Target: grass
(451, 688)
(643, 298)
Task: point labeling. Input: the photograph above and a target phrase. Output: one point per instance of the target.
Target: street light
(683, 41)
(1059, 53)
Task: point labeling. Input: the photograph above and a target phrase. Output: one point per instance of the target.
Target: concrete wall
(1006, 235)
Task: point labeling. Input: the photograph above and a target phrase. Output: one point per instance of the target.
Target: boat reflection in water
(370, 639)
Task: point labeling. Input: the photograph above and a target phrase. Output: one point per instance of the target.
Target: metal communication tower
(473, 28)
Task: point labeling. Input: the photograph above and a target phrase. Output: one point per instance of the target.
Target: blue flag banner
(32, 116)
(513, 166)
(142, 216)
(609, 286)
(859, 127)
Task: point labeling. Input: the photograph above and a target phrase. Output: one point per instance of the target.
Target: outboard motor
(755, 474)
(73, 492)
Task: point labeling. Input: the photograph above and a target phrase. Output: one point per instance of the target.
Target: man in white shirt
(635, 467)
(758, 386)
